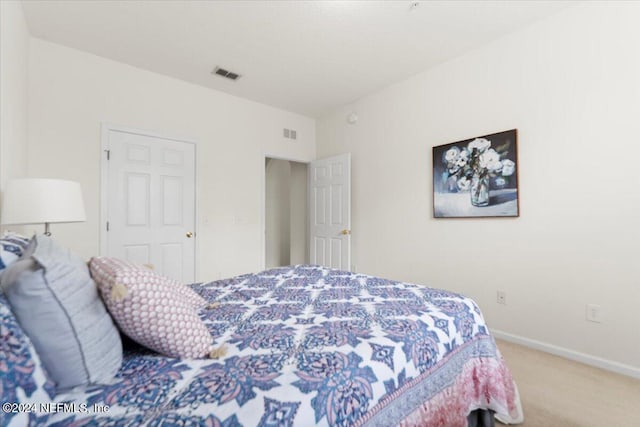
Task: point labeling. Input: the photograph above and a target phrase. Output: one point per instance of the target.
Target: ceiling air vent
(226, 73)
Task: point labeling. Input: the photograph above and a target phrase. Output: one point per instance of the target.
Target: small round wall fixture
(352, 118)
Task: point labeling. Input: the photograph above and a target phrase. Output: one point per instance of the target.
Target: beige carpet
(556, 392)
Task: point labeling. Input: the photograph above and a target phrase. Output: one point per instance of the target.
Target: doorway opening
(286, 213)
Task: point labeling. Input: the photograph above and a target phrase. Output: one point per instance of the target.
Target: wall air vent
(290, 133)
(226, 73)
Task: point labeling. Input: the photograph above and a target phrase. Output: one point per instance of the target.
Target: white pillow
(58, 306)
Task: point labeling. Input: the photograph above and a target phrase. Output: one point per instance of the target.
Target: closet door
(150, 202)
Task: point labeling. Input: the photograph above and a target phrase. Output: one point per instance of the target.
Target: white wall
(278, 213)
(299, 214)
(571, 86)
(72, 92)
(14, 57)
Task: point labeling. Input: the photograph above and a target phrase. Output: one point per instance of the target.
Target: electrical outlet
(594, 313)
(501, 297)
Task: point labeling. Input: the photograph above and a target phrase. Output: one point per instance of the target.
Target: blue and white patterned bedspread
(306, 346)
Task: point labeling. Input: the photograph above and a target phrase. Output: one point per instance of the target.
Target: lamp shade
(37, 201)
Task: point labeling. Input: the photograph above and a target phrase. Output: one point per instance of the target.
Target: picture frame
(477, 177)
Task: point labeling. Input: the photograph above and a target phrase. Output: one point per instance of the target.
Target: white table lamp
(42, 201)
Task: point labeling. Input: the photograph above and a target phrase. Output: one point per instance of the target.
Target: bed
(306, 345)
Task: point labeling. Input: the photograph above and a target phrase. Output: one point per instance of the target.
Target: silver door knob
(189, 234)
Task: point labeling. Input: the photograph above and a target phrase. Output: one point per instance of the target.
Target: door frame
(106, 127)
(263, 199)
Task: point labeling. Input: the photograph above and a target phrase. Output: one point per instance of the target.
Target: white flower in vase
(463, 158)
(475, 168)
(480, 144)
(490, 160)
(452, 154)
(463, 183)
(508, 167)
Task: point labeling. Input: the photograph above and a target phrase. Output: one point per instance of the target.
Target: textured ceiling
(303, 56)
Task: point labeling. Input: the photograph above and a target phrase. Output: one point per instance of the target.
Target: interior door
(150, 202)
(330, 212)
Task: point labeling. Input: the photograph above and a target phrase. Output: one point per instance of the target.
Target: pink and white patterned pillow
(152, 310)
(194, 299)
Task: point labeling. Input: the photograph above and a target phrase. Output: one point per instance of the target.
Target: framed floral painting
(477, 177)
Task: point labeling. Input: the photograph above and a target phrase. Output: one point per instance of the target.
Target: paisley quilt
(306, 346)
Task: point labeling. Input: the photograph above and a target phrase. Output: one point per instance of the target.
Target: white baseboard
(587, 359)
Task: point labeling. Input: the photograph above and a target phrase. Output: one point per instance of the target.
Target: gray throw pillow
(57, 305)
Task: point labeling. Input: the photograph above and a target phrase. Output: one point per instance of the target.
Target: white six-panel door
(330, 212)
(150, 202)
